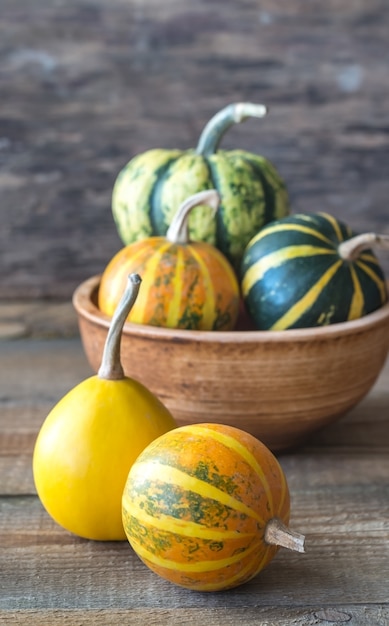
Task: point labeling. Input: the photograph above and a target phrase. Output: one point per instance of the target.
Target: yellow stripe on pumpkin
(175, 303)
(177, 526)
(225, 264)
(298, 309)
(284, 491)
(139, 310)
(301, 228)
(245, 574)
(241, 450)
(358, 301)
(369, 257)
(334, 223)
(208, 311)
(115, 276)
(173, 476)
(198, 567)
(277, 258)
(380, 283)
(266, 557)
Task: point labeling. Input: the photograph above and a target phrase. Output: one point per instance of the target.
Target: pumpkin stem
(350, 249)
(219, 123)
(178, 231)
(111, 367)
(277, 534)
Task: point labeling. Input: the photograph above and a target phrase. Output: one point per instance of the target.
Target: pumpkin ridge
(267, 556)
(297, 310)
(177, 290)
(179, 478)
(144, 300)
(198, 567)
(187, 175)
(291, 226)
(357, 301)
(136, 224)
(334, 224)
(276, 259)
(233, 444)
(244, 575)
(114, 279)
(176, 525)
(368, 257)
(156, 216)
(277, 184)
(268, 190)
(208, 310)
(379, 282)
(221, 234)
(284, 502)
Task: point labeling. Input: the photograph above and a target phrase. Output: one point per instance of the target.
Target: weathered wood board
(339, 491)
(87, 84)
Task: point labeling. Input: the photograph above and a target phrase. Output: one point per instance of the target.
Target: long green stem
(219, 124)
(111, 367)
(178, 231)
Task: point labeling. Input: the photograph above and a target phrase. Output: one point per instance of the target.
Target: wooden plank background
(87, 84)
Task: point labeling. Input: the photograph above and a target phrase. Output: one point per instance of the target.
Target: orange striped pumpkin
(185, 284)
(202, 505)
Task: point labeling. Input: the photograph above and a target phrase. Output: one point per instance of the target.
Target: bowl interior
(85, 302)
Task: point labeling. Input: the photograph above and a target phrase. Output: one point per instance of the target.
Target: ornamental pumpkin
(91, 437)
(311, 270)
(206, 507)
(151, 186)
(184, 285)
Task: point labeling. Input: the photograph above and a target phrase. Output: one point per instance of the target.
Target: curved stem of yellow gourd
(277, 534)
(111, 367)
(350, 249)
(178, 231)
(219, 124)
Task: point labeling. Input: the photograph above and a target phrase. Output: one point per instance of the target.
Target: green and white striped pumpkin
(310, 270)
(153, 184)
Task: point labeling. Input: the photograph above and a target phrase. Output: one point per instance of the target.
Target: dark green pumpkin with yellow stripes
(149, 188)
(310, 270)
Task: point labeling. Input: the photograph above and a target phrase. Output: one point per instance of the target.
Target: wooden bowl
(281, 386)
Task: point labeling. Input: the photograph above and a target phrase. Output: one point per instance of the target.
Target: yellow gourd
(91, 438)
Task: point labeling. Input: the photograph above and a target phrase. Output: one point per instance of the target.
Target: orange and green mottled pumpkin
(189, 285)
(202, 505)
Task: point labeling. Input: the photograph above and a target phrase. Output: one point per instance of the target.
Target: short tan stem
(350, 249)
(178, 231)
(111, 367)
(277, 534)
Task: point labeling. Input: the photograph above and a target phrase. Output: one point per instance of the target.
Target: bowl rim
(85, 307)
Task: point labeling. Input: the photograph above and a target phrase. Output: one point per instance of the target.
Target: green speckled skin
(150, 188)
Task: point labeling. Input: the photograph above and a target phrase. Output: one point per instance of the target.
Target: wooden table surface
(340, 501)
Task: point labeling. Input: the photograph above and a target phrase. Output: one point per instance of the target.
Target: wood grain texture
(340, 500)
(260, 616)
(87, 85)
